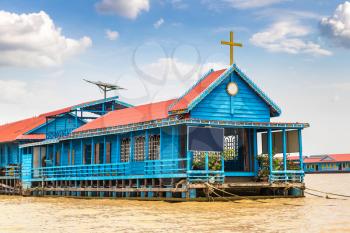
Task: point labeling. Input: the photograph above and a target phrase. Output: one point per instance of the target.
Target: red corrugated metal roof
(12, 131)
(31, 137)
(323, 158)
(341, 157)
(184, 102)
(142, 113)
(16, 130)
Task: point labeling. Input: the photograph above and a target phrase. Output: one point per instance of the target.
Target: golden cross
(231, 43)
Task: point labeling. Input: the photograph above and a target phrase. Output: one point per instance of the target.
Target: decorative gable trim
(275, 110)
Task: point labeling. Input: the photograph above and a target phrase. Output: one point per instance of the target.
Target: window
(125, 150)
(139, 145)
(108, 152)
(231, 147)
(58, 158)
(99, 151)
(154, 147)
(87, 154)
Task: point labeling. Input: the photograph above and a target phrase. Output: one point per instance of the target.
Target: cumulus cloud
(337, 26)
(111, 35)
(288, 37)
(125, 8)
(33, 40)
(158, 23)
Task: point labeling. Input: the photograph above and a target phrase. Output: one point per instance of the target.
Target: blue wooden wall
(169, 146)
(8, 154)
(66, 121)
(245, 106)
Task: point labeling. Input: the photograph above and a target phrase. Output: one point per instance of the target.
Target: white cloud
(246, 4)
(337, 26)
(125, 8)
(112, 35)
(239, 4)
(287, 36)
(12, 91)
(158, 23)
(33, 40)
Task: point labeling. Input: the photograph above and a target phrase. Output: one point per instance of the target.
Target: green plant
(214, 162)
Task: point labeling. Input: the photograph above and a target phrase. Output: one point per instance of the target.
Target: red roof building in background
(325, 163)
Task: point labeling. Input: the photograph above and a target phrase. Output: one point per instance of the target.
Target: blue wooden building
(152, 150)
(328, 163)
(46, 126)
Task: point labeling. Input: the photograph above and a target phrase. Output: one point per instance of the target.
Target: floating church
(218, 135)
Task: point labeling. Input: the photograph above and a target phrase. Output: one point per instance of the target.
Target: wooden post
(131, 156)
(270, 151)
(92, 151)
(146, 144)
(300, 149)
(255, 152)
(284, 139)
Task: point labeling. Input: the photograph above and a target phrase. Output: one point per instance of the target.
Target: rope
(327, 197)
(334, 194)
(245, 198)
(232, 194)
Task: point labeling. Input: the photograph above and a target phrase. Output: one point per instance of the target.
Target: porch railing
(10, 172)
(206, 176)
(288, 175)
(102, 171)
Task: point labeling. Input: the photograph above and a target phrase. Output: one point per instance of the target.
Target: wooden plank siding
(245, 106)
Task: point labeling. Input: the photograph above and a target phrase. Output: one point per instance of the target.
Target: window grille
(154, 147)
(231, 147)
(139, 145)
(125, 150)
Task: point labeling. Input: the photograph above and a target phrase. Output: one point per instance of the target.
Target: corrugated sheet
(142, 113)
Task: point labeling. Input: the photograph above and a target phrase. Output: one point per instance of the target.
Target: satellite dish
(105, 87)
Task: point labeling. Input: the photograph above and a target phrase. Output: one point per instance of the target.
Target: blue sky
(296, 51)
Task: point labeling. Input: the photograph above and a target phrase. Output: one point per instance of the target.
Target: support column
(270, 151)
(92, 151)
(284, 141)
(117, 150)
(131, 159)
(160, 142)
(146, 144)
(255, 152)
(300, 149)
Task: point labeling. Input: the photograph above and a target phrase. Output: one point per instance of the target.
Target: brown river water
(309, 214)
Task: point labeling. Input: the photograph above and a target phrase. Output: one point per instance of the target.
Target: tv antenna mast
(105, 87)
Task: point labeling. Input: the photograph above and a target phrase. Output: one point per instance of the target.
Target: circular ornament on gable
(232, 88)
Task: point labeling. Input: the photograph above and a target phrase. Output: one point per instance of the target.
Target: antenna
(105, 87)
